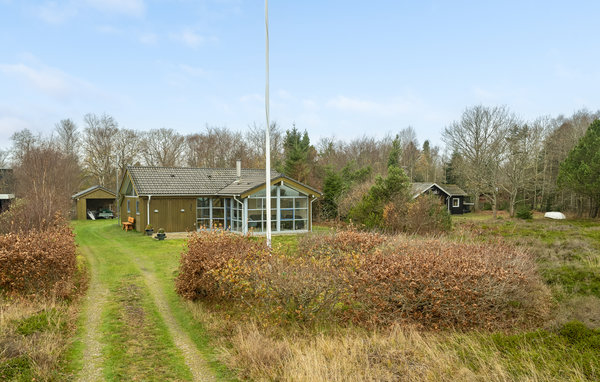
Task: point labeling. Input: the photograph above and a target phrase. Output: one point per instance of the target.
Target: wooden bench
(128, 224)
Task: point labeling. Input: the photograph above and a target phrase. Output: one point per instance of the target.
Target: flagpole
(267, 138)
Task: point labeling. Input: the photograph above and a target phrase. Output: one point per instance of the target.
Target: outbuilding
(7, 188)
(180, 199)
(96, 201)
(455, 199)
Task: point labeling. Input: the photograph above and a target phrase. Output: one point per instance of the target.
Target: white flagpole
(268, 140)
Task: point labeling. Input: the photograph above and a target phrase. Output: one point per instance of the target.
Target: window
(218, 213)
(128, 206)
(293, 210)
(137, 207)
(455, 202)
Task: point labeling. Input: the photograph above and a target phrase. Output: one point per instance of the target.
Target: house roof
(88, 190)
(196, 181)
(449, 189)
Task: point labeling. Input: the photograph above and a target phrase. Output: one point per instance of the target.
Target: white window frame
(455, 202)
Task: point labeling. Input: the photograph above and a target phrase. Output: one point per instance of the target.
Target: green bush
(524, 212)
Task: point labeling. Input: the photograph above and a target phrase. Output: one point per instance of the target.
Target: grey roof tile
(93, 188)
(195, 181)
(418, 188)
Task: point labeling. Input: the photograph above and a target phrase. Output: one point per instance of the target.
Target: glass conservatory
(289, 211)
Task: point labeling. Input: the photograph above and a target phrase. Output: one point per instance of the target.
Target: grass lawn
(136, 344)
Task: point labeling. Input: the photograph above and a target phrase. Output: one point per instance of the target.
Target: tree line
(503, 161)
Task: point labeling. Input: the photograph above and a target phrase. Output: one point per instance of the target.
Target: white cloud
(192, 38)
(148, 38)
(252, 98)
(189, 38)
(193, 71)
(126, 7)
(393, 106)
(50, 81)
(53, 13)
(10, 125)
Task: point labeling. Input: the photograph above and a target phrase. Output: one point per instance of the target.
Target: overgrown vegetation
(367, 279)
(39, 261)
(539, 332)
(39, 280)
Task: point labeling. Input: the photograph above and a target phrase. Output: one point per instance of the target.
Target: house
(7, 188)
(97, 200)
(450, 194)
(184, 199)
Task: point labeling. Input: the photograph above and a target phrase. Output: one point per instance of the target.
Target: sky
(340, 69)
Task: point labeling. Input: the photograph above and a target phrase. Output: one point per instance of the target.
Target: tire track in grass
(193, 358)
(95, 300)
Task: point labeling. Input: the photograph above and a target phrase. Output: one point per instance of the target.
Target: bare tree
(67, 138)
(255, 139)
(99, 148)
(3, 158)
(216, 147)
(22, 142)
(519, 166)
(479, 137)
(45, 178)
(163, 147)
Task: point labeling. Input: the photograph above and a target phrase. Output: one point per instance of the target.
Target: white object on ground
(555, 215)
(91, 215)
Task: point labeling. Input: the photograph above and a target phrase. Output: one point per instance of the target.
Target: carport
(97, 200)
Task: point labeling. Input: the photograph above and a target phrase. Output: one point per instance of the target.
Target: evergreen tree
(296, 151)
(393, 188)
(580, 172)
(395, 153)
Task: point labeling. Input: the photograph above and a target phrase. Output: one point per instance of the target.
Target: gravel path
(193, 358)
(96, 297)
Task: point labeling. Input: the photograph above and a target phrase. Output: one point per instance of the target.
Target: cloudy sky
(338, 68)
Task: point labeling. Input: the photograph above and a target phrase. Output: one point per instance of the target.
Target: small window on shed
(137, 207)
(455, 202)
(128, 206)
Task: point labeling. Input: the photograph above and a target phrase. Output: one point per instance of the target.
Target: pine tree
(580, 172)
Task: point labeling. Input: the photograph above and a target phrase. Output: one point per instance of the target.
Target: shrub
(366, 278)
(524, 212)
(437, 284)
(423, 215)
(345, 241)
(39, 261)
(209, 252)
(393, 188)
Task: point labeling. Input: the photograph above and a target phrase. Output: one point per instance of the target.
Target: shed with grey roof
(96, 200)
(450, 194)
(181, 199)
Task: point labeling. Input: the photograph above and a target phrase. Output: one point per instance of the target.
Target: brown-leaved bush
(443, 284)
(208, 255)
(369, 279)
(39, 261)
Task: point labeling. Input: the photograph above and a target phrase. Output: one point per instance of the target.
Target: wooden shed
(7, 188)
(455, 199)
(96, 200)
